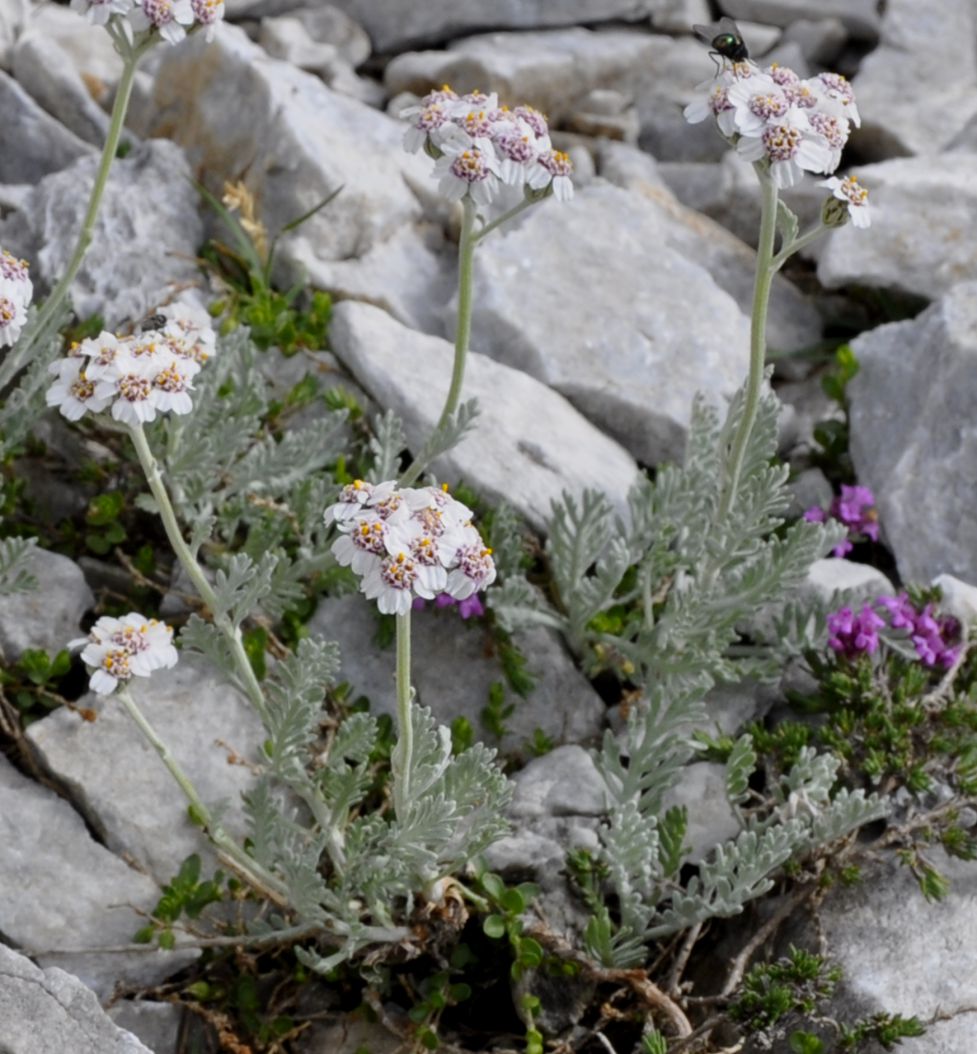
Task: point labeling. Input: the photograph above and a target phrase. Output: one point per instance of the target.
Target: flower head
(119, 649)
(854, 196)
(409, 543)
(775, 116)
(480, 146)
(168, 17)
(16, 290)
(137, 376)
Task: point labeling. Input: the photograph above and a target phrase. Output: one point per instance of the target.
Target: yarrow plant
(118, 649)
(170, 19)
(16, 291)
(408, 544)
(854, 508)
(785, 125)
(137, 376)
(484, 154)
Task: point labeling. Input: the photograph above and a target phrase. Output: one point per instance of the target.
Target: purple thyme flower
(852, 635)
(468, 607)
(855, 508)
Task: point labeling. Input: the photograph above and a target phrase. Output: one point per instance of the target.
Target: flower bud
(834, 212)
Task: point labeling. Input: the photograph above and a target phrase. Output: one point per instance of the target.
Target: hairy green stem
(168, 516)
(796, 245)
(504, 218)
(463, 330)
(404, 751)
(758, 339)
(49, 312)
(234, 854)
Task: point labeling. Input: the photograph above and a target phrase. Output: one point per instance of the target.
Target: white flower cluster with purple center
(795, 125)
(170, 18)
(16, 290)
(482, 147)
(407, 542)
(139, 376)
(118, 649)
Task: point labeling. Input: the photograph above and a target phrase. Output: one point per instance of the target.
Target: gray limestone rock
(860, 17)
(51, 1012)
(348, 1036)
(65, 896)
(527, 446)
(557, 802)
(918, 89)
(38, 144)
(89, 47)
(650, 325)
(157, 1025)
(551, 70)
(44, 69)
(453, 666)
(394, 28)
(145, 238)
(326, 24)
(701, 789)
(924, 210)
(835, 579)
(411, 275)
(904, 954)
(912, 436)
(13, 17)
(294, 144)
(820, 39)
(49, 615)
(134, 803)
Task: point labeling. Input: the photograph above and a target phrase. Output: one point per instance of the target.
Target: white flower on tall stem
(854, 195)
(208, 13)
(835, 131)
(716, 104)
(791, 147)
(120, 649)
(466, 168)
(16, 290)
(74, 390)
(553, 169)
(519, 149)
(172, 384)
(98, 12)
(757, 103)
(836, 96)
(169, 17)
(424, 545)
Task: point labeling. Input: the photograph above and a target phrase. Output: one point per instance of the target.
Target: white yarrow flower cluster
(137, 376)
(118, 649)
(406, 543)
(773, 115)
(481, 147)
(171, 19)
(16, 290)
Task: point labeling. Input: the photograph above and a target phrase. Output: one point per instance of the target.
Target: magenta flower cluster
(469, 607)
(855, 508)
(935, 638)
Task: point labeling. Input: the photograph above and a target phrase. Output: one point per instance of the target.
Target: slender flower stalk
(463, 332)
(49, 314)
(404, 753)
(231, 853)
(194, 571)
(758, 337)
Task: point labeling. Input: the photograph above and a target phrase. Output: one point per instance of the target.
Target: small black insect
(153, 322)
(724, 38)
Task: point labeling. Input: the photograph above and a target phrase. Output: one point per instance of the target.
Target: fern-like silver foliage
(663, 599)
